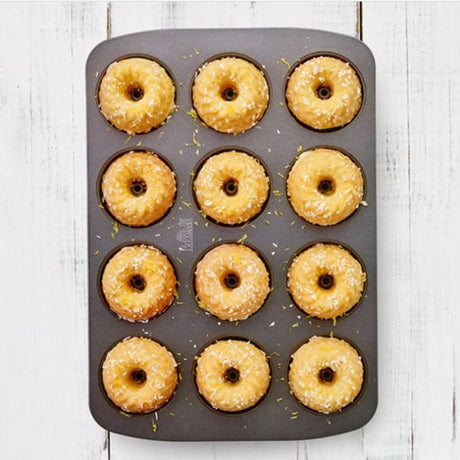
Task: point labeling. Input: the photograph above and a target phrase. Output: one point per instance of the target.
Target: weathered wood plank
(384, 31)
(416, 47)
(43, 314)
(128, 17)
(435, 216)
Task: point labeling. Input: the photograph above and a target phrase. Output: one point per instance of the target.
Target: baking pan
(277, 233)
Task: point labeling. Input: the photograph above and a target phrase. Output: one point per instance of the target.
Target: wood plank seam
(359, 20)
(408, 127)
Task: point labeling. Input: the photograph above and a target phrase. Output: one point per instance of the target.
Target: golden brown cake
(326, 281)
(325, 186)
(230, 94)
(324, 93)
(326, 374)
(232, 375)
(136, 95)
(231, 187)
(139, 375)
(231, 282)
(139, 282)
(138, 188)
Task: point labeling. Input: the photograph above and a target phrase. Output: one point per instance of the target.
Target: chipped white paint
(43, 313)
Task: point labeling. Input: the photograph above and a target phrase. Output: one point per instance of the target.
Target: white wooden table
(43, 307)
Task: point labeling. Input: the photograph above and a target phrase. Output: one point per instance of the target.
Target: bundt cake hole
(229, 93)
(232, 280)
(231, 187)
(326, 374)
(138, 376)
(138, 187)
(324, 92)
(136, 93)
(326, 281)
(326, 186)
(138, 282)
(232, 375)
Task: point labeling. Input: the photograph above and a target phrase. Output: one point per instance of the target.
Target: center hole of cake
(232, 375)
(326, 187)
(232, 280)
(231, 187)
(136, 93)
(326, 374)
(229, 93)
(138, 376)
(326, 281)
(138, 282)
(138, 187)
(324, 92)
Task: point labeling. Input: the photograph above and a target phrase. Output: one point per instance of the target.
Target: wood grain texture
(128, 17)
(43, 313)
(416, 48)
(390, 428)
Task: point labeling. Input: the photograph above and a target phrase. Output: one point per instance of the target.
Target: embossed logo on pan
(185, 235)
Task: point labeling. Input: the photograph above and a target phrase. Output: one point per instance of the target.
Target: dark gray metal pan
(279, 327)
